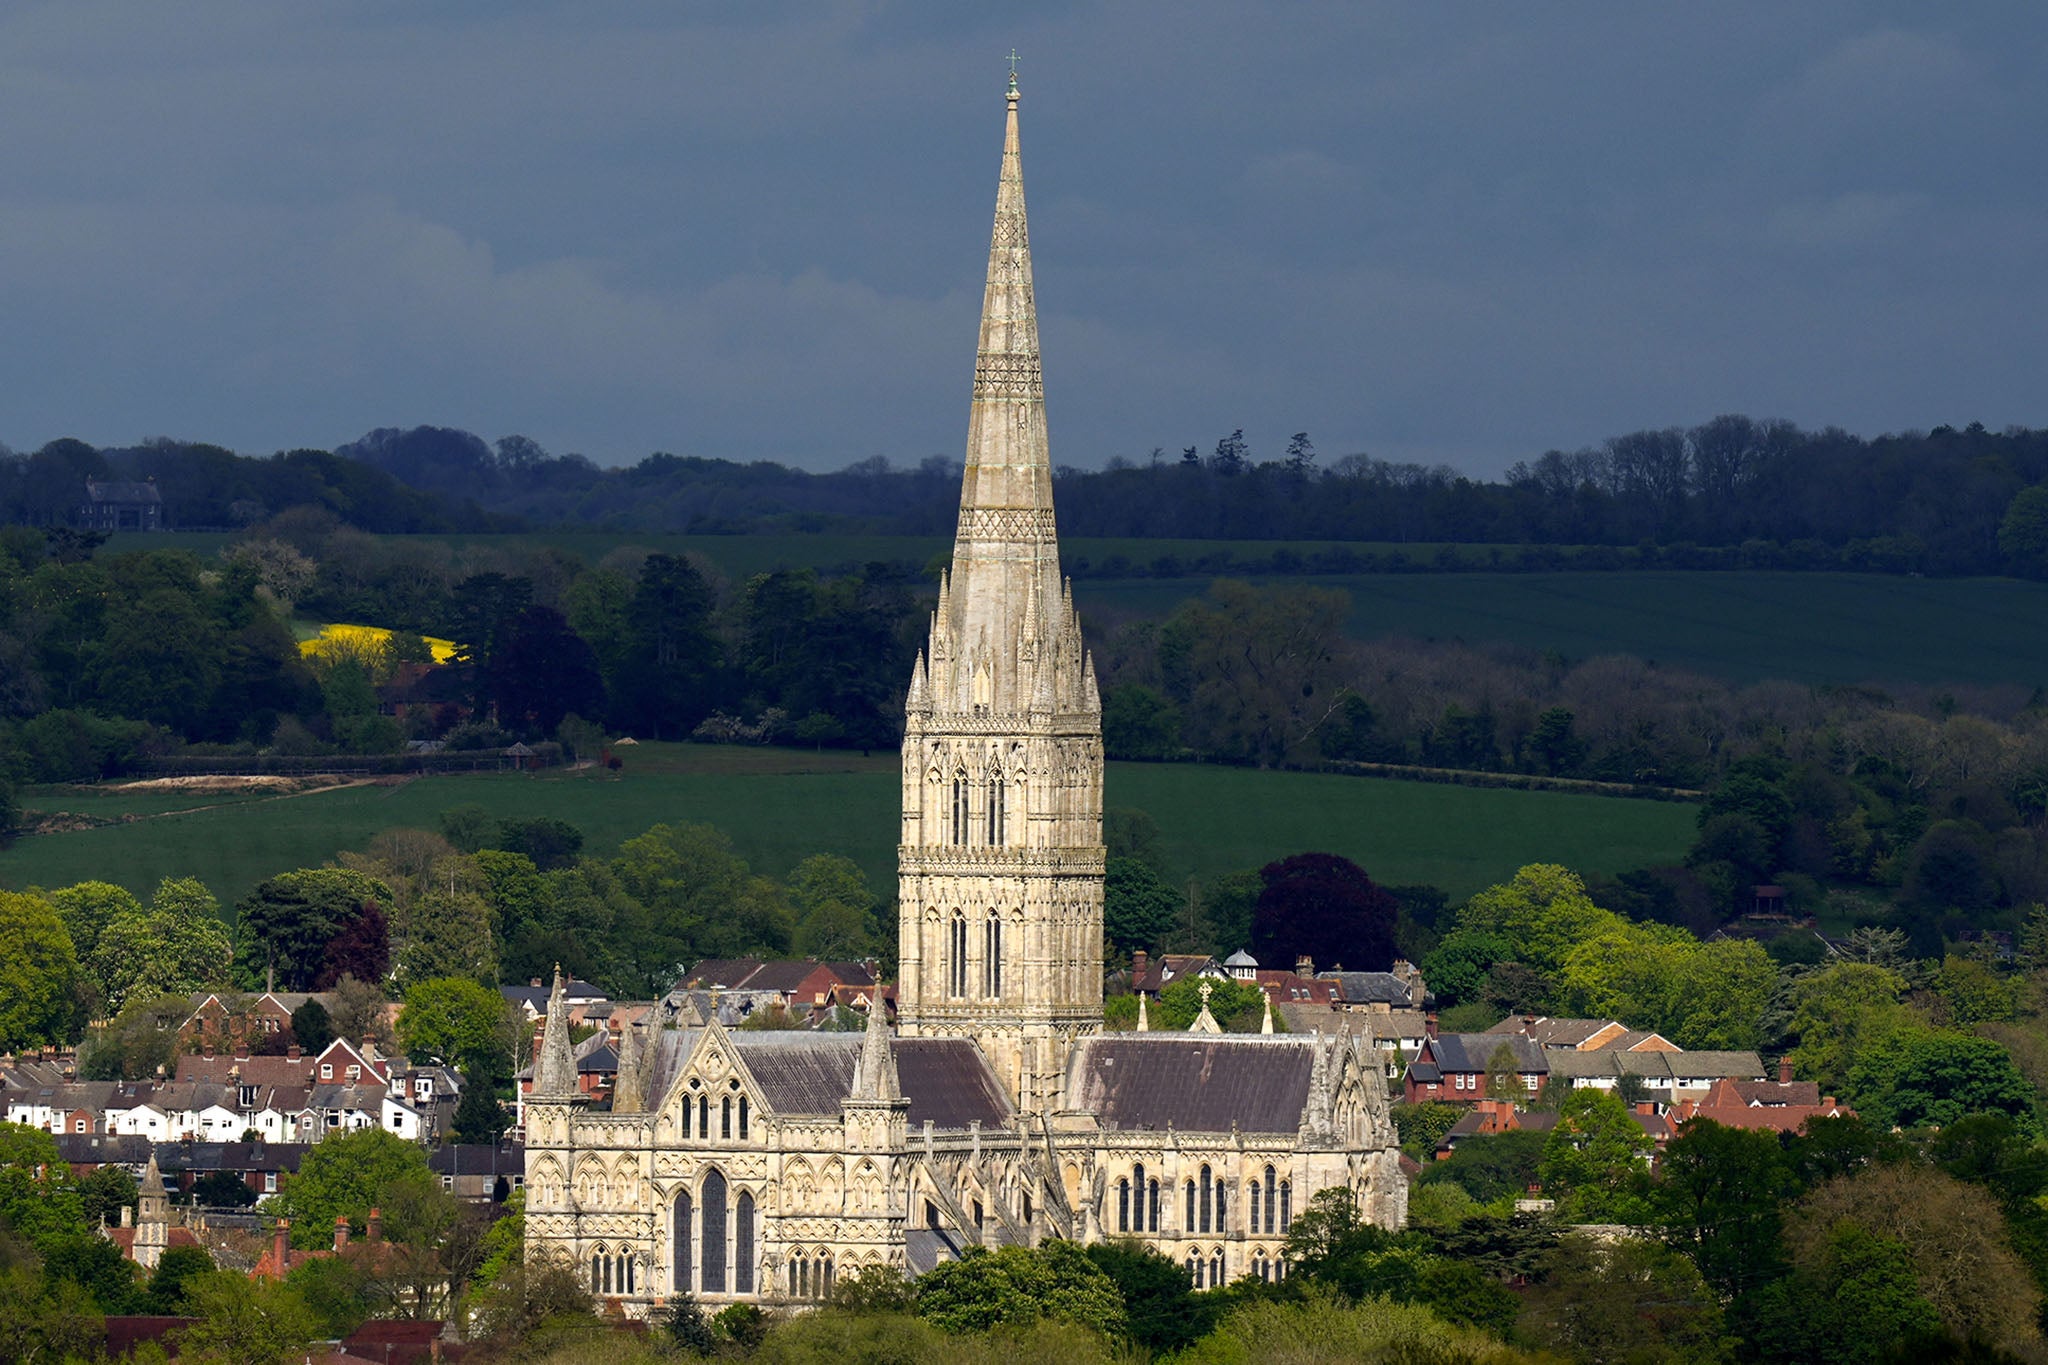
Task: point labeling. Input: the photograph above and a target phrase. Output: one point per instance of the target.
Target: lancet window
(960, 808)
(992, 957)
(996, 813)
(956, 956)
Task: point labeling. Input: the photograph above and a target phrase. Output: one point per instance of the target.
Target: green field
(1740, 625)
(780, 806)
(1743, 626)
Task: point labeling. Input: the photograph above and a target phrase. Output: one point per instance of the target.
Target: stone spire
(554, 1072)
(1266, 1024)
(874, 1075)
(1144, 1024)
(629, 1089)
(152, 1218)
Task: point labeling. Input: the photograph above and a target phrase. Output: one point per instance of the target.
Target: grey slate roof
(1474, 1051)
(947, 1080)
(1366, 988)
(478, 1158)
(199, 1157)
(1712, 1066)
(1259, 1083)
(107, 1149)
(800, 1072)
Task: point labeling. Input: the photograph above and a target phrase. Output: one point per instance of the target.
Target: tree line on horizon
(1947, 500)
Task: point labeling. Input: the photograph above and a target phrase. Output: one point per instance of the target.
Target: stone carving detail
(1008, 376)
(1007, 523)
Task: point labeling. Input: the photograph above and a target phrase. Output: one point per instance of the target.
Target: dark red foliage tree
(1324, 907)
(362, 949)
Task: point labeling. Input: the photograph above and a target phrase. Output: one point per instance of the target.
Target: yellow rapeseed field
(365, 643)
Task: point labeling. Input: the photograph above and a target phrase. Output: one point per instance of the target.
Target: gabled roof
(238, 1157)
(948, 1081)
(1740, 1066)
(1193, 1082)
(799, 1072)
(1368, 988)
(117, 490)
(478, 1158)
(1557, 1033)
(219, 1069)
(106, 1149)
(1469, 1052)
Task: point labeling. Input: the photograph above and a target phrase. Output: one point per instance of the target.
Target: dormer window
(327, 1071)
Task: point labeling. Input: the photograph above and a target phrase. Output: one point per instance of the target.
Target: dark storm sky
(1460, 233)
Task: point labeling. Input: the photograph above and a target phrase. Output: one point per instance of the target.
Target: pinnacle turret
(554, 1072)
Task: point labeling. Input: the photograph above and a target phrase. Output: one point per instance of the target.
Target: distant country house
(1583, 1035)
(117, 506)
(1150, 975)
(532, 998)
(802, 983)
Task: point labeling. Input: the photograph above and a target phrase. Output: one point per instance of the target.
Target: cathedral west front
(761, 1165)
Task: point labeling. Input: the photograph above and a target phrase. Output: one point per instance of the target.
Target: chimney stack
(1429, 1023)
(294, 1052)
(373, 1227)
(1140, 960)
(1304, 965)
(1785, 1070)
(280, 1246)
(341, 1234)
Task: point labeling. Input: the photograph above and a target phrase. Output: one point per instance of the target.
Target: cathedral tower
(1000, 868)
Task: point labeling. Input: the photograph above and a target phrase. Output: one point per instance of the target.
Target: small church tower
(152, 1218)
(1001, 861)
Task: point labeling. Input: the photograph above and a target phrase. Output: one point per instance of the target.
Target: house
(802, 984)
(1693, 1074)
(261, 1166)
(1454, 1066)
(1487, 1117)
(1782, 1106)
(87, 1152)
(532, 998)
(1583, 1035)
(1399, 988)
(114, 505)
(1150, 975)
(480, 1173)
(280, 1258)
(1396, 1035)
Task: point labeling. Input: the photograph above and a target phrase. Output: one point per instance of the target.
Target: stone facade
(762, 1165)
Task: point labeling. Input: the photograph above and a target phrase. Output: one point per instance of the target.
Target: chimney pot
(373, 1227)
(1304, 965)
(1139, 962)
(1785, 1070)
(341, 1234)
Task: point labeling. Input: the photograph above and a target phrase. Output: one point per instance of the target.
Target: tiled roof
(1740, 1066)
(1367, 988)
(1470, 1052)
(948, 1081)
(1195, 1083)
(251, 1070)
(799, 1072)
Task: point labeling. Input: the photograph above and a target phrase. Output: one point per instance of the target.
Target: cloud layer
(1459, 233)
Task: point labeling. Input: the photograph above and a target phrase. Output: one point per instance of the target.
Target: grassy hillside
(780, 806)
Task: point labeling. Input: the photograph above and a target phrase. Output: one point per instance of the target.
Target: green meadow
(780, 806)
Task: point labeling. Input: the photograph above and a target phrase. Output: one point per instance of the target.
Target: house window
(447, 1182)
(270, 1182)
(327, 1071)
(78, 1125)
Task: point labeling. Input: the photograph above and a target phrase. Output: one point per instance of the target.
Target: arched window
(1216, 1268)
(1152, 1205)
(960, 807)
(1123, 1205)
(1272, 1194)
(995, 812)
(799, 1278)
(992, 957)
(743, 1118)
(626, 1273)
(956, 953)
(704, 1117)
(1286, 1205)
(597, 1282)
(1207, 1205)
(687, 1107)
(714, 1233)
(1138, 1184)
(1252, 1209)
(1260, 1267)
(743, 1240)
(1195, 1269)
(1222, 1213)
(1190, 1225)
(825, 1273)
(680, 1253)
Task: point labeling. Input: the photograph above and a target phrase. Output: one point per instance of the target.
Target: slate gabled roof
(947, 1080)
(1365, 988)
(1739, 1066)
(1196, 1083)
(799, 1072)
(1467, 1052)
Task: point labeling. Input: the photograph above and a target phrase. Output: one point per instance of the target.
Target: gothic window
(1207, 1198)
(1152, 1205)
(687, 1108)
(1221, 1212)
(1123, 1205)
(743, 1118)
(626, 1274)
(725, 1117)
(714, 1233)
(799, 1277)
(960, 807)
(1259, 1266)
(956, 955)
(743, 1244)
(1190, 1225)
(681, 1257)
(704, 1117)
(1286, 1205)
(1252, 1209)
(992, 957)
(1216, 1268)
(1272, 1194)
(1195, 1269)
(597, 1275)
(995, 812)
(825, 1273)
(1138, 1184)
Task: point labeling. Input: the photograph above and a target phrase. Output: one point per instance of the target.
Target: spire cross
(1013, 73)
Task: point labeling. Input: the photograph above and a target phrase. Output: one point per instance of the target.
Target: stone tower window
(960, 808)
(956, 956)
(992, 957)
(996, 832)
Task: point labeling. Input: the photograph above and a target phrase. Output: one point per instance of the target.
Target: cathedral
(760, 1165)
